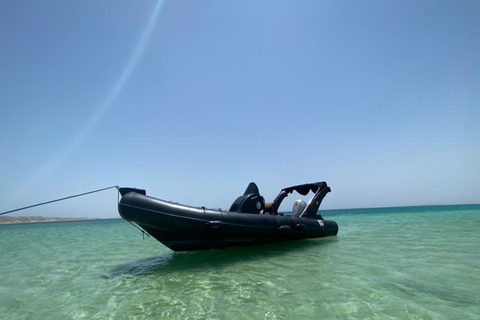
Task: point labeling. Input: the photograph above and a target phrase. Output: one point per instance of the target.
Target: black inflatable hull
(185, 228)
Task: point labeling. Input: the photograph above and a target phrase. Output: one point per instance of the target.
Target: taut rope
(47, 202)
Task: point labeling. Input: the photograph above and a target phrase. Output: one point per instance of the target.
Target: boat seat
(250, 202)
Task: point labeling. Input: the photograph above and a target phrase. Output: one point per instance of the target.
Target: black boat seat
(250, 202)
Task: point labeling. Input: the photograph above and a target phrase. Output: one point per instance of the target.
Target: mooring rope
(47, 202)
(142, 231)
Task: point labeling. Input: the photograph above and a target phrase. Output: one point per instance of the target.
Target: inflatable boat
(249, 220)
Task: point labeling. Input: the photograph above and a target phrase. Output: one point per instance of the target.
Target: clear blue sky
(192, 100)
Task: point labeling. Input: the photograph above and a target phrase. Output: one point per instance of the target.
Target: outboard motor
(250, 202)
(298, 207)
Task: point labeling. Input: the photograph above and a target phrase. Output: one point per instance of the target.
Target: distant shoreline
(37, 219)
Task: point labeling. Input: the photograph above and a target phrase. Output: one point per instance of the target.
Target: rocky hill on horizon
(33, 219)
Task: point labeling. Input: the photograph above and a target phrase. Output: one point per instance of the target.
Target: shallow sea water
(390, 263)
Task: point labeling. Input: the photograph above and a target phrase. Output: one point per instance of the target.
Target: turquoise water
(392, 263)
